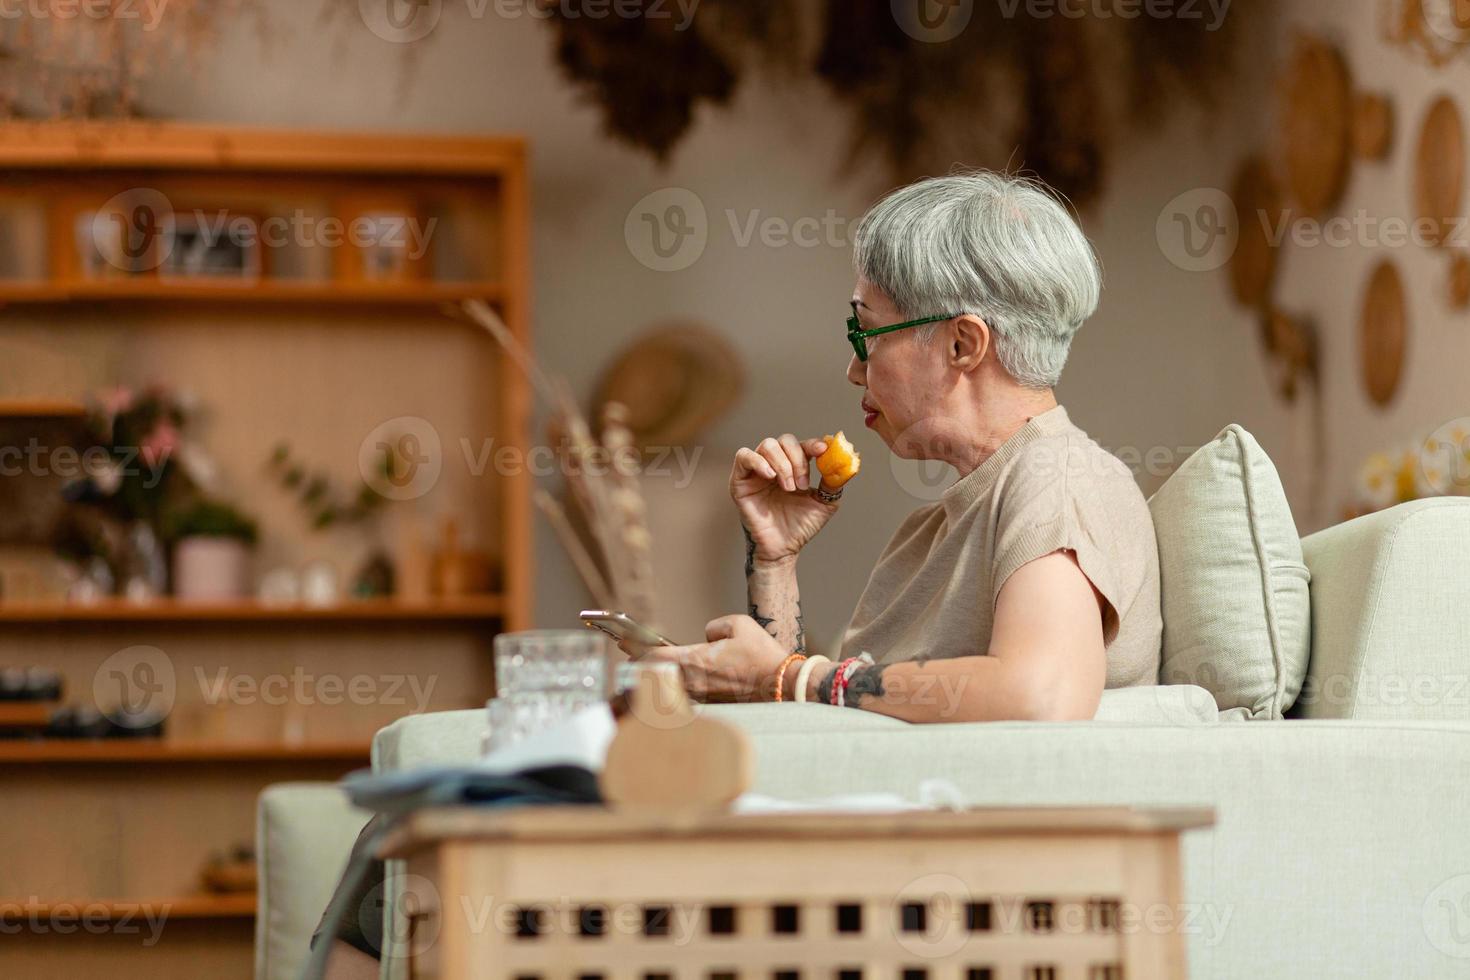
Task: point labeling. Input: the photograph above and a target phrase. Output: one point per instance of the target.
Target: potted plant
(212, 543)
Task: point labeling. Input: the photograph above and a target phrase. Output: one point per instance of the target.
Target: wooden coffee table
(577, 893)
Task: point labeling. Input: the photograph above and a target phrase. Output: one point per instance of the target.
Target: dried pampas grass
(603, 477)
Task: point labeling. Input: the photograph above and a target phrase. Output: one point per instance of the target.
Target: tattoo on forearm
(800, 631)
(865, 682)
(749, 553)
(824, 686)
(764, 621)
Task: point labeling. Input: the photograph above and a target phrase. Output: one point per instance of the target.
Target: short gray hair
(997, 246)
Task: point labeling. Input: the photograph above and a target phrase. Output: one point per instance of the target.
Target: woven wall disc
(1383, 333)
(1259, 208)
(1440, 169)
(1372, 126)
(1459, 292)
(1316, 125)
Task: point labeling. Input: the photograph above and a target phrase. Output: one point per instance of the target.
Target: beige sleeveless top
(1049, 488)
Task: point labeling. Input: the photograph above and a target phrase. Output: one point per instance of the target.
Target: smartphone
(621, 626)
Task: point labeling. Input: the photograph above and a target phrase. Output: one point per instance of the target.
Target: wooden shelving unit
(245, 611)
(173, 803)
(141, 750)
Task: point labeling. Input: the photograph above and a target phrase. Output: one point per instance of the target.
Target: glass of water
(542, 678)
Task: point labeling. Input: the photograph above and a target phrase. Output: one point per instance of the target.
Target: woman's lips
(870, 415)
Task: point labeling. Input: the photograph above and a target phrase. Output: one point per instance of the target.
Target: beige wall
(1167, 362)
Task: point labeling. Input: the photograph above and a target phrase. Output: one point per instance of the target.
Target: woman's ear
(971, 342)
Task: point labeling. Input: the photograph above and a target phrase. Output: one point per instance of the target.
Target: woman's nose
(857, 372)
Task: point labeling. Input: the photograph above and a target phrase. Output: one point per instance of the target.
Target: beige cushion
(1237, 613)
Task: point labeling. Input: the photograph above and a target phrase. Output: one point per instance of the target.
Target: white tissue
(581, 740)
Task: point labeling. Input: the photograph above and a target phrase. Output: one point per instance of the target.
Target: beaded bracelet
(852, 667)
(781, 674)
(804, 676)
(840, 678)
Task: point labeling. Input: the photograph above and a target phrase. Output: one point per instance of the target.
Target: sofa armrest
(304, 833)
(1391, 615)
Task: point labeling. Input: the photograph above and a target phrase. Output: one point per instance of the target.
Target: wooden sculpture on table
(668, 758)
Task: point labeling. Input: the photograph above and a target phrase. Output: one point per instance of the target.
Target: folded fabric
(354, 913)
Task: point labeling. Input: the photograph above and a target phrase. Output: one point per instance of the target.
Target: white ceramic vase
(207, 567)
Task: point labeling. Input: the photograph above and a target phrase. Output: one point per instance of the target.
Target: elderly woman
(1033, 583)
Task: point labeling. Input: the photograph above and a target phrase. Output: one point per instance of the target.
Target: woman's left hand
(739, 662)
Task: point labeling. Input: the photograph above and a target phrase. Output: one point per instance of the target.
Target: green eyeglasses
(858, 337)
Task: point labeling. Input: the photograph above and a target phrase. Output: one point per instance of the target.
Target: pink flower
(160, 444)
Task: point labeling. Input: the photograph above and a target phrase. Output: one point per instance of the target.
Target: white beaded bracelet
(805, 673)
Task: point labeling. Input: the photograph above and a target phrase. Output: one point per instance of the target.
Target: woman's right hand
(771, 489)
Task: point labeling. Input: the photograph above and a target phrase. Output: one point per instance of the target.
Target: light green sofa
(1341, 847)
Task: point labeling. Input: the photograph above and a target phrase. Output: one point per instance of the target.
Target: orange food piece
(839, 463)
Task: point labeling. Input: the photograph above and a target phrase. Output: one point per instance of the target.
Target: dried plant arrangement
(94, 62)
(1008, 89)
(615, 557)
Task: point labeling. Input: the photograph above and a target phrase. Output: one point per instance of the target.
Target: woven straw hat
(676, 380)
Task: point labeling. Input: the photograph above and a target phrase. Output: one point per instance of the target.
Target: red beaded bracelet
(840, 679)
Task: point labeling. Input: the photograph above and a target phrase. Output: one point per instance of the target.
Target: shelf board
(226, 290)
(460, 609)
(205, 906)
(40, 408)
(26, 714)
(140, 750)
(63, 146)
